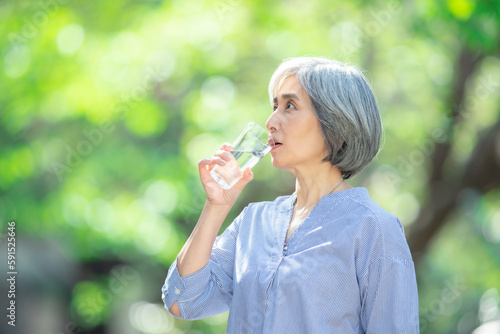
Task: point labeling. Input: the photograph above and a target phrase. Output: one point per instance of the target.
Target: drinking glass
(250, 146)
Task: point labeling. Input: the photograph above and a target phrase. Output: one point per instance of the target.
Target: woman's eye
(289, 105)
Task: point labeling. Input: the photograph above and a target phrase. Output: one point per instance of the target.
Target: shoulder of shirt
(373, 212)
(382, 226)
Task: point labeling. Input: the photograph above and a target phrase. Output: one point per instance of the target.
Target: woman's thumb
(247, 176)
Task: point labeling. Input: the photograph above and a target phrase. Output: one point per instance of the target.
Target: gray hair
(344, 104)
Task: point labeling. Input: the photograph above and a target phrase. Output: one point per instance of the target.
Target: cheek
(313, 134)
(318, 141)
(308, 143)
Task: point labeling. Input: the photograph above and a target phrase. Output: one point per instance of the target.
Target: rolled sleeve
(183, 289)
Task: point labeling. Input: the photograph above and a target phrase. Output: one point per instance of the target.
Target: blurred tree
(479, 25)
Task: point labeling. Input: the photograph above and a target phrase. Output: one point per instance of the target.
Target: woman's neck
(311, 186)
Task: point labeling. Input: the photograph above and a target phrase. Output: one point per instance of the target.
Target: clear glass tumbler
(250, 146)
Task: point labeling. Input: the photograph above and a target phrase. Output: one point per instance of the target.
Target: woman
(325, 259)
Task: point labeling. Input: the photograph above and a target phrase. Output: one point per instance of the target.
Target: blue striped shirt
(346, 269)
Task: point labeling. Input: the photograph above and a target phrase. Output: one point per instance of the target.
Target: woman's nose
(272, 123)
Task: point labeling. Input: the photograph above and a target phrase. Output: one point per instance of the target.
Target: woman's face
(295, 129)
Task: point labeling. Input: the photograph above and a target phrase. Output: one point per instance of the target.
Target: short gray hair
(344, 104)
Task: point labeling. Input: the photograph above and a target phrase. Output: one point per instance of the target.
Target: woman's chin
(279, 165)
(275, 162)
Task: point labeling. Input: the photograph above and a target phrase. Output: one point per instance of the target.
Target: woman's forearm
(196, 252)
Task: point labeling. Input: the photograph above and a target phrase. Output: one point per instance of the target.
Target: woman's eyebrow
(287, 96)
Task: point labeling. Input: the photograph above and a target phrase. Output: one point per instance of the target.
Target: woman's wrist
(216, 211)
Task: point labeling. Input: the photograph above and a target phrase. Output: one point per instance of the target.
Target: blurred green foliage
(106, 107)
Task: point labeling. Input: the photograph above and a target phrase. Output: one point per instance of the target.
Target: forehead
(291, 86)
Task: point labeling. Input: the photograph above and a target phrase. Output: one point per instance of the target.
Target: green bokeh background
(106, 107)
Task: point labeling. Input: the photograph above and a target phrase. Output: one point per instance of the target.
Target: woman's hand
(215, 194)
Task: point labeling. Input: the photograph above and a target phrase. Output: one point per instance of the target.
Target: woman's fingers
(247, 176)
(219, 161)
(214, 192)
(226, 147)
(209, 163)
(225, 155)
(221, 157)
(204, 163)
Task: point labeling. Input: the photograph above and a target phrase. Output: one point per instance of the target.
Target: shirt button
(177, 291)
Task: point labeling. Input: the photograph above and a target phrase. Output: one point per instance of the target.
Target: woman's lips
(275, 146)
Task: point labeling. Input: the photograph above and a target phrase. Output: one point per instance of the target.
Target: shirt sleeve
(209, 290)
(389, 297)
